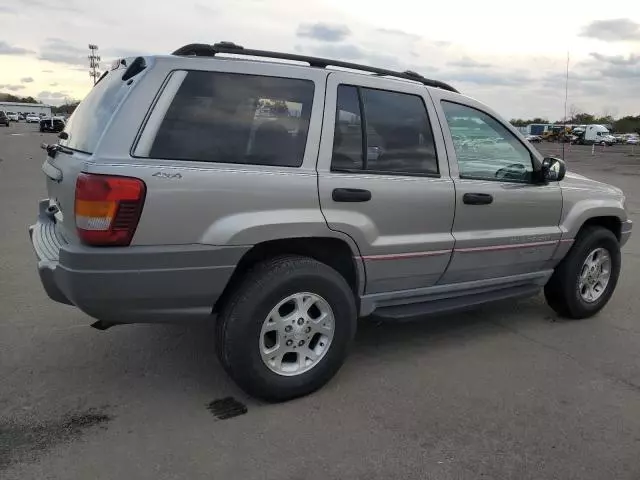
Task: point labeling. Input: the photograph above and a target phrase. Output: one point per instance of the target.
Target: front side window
(396, 130)
(236, 118)
(485, 148)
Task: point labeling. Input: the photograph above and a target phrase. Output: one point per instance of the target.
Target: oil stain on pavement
(225, 408)
(25, 441)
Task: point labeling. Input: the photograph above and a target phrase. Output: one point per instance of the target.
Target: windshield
(89, 120)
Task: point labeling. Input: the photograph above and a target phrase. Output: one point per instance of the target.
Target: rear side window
(236, 118)
(394, 131)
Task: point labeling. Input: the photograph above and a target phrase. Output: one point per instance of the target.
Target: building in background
(25, 108)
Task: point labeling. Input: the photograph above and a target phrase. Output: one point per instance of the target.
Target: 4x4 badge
(167, 175)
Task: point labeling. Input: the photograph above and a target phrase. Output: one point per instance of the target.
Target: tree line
(628, 124)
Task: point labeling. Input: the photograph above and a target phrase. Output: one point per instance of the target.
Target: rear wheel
(585, 280)
(287, 328)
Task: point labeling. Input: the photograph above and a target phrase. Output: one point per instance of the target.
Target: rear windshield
(91, 117)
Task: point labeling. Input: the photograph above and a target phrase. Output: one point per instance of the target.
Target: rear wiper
(53, 149)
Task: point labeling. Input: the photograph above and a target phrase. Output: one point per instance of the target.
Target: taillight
(108, 208)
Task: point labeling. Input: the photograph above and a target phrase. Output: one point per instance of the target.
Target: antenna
(566, 97)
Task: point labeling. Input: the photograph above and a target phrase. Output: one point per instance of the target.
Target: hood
(575, 182)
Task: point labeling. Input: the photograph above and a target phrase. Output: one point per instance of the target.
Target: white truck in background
(593, 134)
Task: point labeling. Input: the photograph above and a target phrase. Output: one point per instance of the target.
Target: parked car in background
(172, 198)
(20, 116)
(632, 140)
(534, 138)
(33, 118)
(14, 117)
(52, 124)
(4, 119)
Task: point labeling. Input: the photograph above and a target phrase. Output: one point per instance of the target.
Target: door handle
(350, 195)
(477, 198)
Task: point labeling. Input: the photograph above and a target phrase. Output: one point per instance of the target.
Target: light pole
(94, 62)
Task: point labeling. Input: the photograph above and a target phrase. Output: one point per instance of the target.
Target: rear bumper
(132, 284)
(625, 232)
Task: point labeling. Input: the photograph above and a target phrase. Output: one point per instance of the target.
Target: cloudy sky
(506, 53)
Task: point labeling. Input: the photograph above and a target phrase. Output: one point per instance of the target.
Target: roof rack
(205, 50)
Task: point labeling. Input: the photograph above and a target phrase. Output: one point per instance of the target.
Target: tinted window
(347, 137)
(234, 118)
(485, 148)
(399, 138)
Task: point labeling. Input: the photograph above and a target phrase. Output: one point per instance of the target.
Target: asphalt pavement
(508, 391)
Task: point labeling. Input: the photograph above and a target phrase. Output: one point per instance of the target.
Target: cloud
(615, 30)
(468, 62)
(66, 5)
(26, 80)
(47, 71)
(621, 72)
(325, 32)
(121, 52)
(398, 33)
(54, 84)
(482, 78)
(202, 9)
(52, 98)
(352, 53)
(344, 51)
(6, 49)
(59, 51)
(12, 88)
(7, 10)
(48, 94)
(617, 59)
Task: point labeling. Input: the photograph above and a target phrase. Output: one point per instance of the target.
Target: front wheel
(287, 328)
(586, 278)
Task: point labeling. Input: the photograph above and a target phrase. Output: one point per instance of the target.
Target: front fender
(579, 212)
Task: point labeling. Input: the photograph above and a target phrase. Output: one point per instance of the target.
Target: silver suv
(286, 200)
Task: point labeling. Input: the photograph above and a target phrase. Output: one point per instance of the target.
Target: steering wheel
(515, 171)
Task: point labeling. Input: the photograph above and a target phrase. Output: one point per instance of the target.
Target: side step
(413, 310)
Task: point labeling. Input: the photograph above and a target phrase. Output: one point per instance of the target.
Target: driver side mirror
(553, 169)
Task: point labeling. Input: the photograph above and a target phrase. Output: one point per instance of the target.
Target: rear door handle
(477, 198)
(350, 195)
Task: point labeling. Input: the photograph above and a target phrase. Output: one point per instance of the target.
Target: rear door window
(236, 118)
(397, 134)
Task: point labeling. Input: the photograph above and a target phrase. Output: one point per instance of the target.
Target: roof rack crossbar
(205, 50)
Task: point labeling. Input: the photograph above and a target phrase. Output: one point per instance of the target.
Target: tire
(239, 330)
(562, 290)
